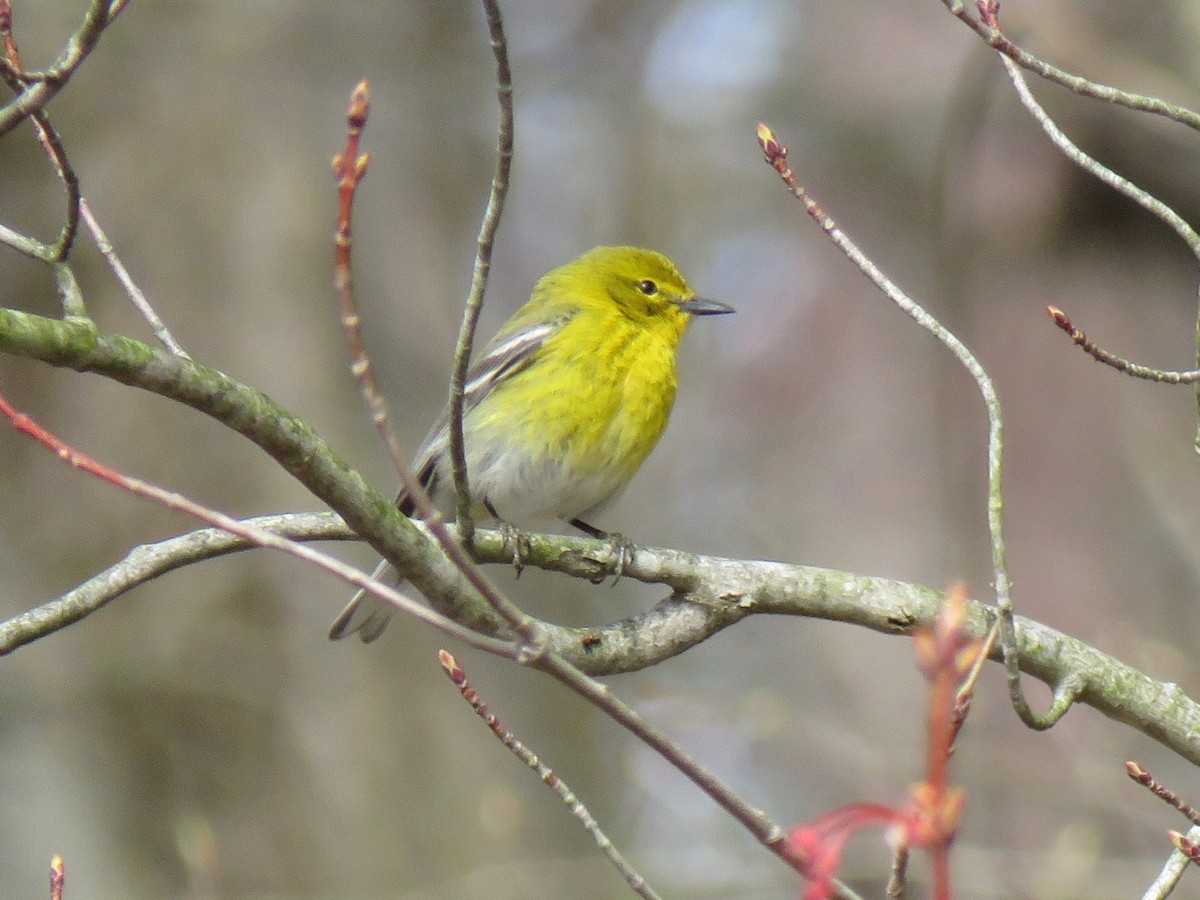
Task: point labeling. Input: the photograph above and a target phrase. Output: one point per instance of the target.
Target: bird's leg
(620, 548)
(513, 538)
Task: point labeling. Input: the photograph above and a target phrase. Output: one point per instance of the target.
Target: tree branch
(288, 439)
(708, 595)
(42, 87)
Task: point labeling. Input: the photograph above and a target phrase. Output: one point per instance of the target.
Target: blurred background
(201, 738)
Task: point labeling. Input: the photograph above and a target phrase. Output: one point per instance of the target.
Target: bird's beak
(699, 306)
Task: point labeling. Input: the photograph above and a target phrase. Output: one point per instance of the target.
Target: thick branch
(289, 440)
(708, 594)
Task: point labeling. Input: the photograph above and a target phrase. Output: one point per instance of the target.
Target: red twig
(949, 659)
(962, 699)
(947, 656)
(350, 167)
(12, 58)
(58, 875)
(254, 535)
(1168, 796)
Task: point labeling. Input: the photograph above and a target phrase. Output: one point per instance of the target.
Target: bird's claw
(621, 552)
(515, 542)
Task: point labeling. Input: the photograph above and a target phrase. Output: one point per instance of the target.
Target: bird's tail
(366, 615)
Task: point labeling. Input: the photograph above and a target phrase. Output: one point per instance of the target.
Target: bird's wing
(505, 356)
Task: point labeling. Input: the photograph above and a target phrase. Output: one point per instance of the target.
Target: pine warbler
(565, 403)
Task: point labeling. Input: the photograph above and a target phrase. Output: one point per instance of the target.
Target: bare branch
(708, 595)
(1162, 792)
(776, 156)
(546, 775)
(350, 167)
(988, 28)
(42, 87)
(1098, 170)
(1119, 363)
(483, 265)
(132, 291)
(250, 533)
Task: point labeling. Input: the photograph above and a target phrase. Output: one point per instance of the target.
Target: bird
(563, 404)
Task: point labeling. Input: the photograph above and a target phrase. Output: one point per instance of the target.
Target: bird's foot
(516, 542)
(621, 550)
(512, 538)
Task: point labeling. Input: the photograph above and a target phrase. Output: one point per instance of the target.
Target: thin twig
(42, 87)
(10, 58)
(897, 886)
(1162, 792)
(1098, 170)
(995, 38)
(258, 536)
(23, 244)
(1119, 363)
(135, 294)
(989, 11)
(546, 775)
(1143, 198)
(12, 73)
(776, 156)
(962, 699)
(350, 168)
(76, 205)
(483, 265)
(51, 142)
(753, 819)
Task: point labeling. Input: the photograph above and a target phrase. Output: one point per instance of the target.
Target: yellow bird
(565, 403)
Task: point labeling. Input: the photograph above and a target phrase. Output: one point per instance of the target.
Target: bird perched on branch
(565, 402)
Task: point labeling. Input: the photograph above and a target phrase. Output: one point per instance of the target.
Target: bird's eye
(647, 287)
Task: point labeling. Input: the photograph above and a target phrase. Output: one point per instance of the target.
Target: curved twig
(42, 87)
(483, 265)
(1098, 353)
(989, 31)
